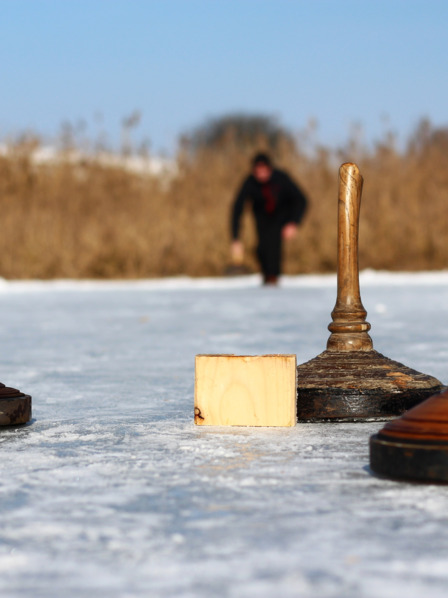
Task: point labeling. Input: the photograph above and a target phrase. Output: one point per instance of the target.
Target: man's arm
(238, 207)
(297, 208)
(298, 201)
(237, 248)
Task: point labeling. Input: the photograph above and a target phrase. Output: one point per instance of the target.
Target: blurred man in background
(278, 206)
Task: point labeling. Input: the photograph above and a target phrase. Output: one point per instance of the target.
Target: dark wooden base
(15, 407)
(358, 386)
(420, 461)
(414, 446)
(336, 404)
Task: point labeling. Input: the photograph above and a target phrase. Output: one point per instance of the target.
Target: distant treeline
(83, 218)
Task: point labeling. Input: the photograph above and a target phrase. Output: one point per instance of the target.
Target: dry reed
(85, 219)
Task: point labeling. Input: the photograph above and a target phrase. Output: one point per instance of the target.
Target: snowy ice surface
(112, 491)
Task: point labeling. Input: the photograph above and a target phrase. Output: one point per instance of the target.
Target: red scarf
(270, 200)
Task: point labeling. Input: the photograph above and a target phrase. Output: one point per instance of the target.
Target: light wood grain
(245, 390)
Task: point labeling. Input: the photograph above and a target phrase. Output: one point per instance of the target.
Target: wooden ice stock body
(350, 380)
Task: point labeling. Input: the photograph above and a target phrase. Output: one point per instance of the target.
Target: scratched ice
(113, 492)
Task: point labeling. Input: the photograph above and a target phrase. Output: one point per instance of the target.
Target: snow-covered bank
(146, 165)
(113, 492)
(175, 283)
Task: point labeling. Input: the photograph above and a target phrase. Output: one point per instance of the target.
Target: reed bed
(84, 219)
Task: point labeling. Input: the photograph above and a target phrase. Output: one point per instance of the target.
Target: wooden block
(245, 390)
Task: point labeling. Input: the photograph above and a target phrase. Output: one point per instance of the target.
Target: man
(278, 206)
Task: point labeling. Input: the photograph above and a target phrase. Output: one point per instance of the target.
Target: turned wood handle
(349, 328)
(349, 202)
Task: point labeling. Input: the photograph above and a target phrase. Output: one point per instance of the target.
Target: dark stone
(413, 460)
(15, 407)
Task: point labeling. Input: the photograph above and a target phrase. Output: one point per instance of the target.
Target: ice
(112, 491)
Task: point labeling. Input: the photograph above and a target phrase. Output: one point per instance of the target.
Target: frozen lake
(113, 492)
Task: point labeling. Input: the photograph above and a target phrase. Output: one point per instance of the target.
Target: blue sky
(382, 64)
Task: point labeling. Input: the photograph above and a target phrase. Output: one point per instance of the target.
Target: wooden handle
(349, 328)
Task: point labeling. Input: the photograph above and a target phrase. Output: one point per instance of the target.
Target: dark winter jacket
(275, 203)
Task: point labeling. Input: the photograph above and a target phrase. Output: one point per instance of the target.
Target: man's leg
(269, 253)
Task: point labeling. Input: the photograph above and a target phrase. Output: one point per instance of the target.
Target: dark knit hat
(261, 158)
